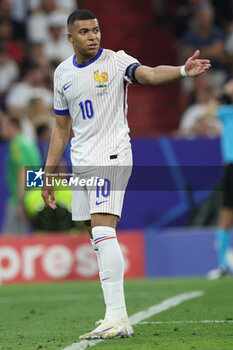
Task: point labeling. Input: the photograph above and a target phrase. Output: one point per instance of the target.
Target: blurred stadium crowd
(32, 43)
(208, 26)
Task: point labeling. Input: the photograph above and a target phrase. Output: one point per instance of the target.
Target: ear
(69, 37)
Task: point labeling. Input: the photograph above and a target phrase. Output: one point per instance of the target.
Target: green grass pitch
(52, 316)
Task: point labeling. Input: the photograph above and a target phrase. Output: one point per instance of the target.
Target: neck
(81, 58)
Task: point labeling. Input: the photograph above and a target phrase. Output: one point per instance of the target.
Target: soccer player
(225, 221)
(90, 91)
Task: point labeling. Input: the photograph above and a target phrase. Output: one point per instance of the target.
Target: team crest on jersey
(101, 79)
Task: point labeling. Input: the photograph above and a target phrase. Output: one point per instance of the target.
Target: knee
(104, 220)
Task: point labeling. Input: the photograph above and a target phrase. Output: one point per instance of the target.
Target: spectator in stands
(9, 72)
(31, 86)
(185, 9)
(19, 9)
(22, 152)
(6, 12)
(225, 222)
(197, 91)
(195, 120)
(36, 55)
(66, 6)
(37, 25)
(209, 39)
(38, 113)
(57, 47)
(14, 49)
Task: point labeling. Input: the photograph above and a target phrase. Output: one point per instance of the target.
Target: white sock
(97, 255)
(111, 271)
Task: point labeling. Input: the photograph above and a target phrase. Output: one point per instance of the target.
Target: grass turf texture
(52, 316)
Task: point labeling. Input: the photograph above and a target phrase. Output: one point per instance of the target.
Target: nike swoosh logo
(66, 87)
(98, 203)
(104, 279)
(104, 330)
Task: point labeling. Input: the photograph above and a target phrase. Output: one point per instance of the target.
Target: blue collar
(89, 62)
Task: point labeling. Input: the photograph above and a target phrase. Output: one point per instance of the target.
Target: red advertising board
(62, 257)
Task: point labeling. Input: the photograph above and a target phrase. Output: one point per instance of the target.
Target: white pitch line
(142, 315)
(184, 322)
(164, 305)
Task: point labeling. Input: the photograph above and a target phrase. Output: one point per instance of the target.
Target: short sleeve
(124, 61)
(60, 103)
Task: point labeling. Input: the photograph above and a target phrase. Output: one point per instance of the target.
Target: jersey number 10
(87, 109)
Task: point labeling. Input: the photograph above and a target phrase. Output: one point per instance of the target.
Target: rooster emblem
(101, 79)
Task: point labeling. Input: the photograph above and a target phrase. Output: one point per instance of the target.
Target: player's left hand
(195, 66)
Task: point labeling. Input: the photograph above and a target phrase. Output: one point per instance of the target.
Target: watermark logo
(35, 178)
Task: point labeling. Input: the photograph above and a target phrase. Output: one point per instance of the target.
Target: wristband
(182, 71)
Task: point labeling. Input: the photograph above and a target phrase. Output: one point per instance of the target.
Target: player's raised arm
(59, 138)
(164, 74)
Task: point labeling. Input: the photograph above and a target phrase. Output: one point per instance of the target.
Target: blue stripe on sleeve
(61, 111)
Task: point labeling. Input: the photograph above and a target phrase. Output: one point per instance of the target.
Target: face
(56, 32)
(205, 18)
(6, 129)
(49, 6)
(85, 37)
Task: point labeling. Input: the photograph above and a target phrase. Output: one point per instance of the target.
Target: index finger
(205, 61)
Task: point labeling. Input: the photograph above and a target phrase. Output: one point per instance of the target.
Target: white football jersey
(94, 94)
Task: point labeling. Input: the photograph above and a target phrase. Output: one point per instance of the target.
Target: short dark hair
(79, 15)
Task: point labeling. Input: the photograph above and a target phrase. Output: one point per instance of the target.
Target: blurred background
(174, 126)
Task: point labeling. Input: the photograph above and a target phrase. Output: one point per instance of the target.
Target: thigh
(109, 198)
(80, 205)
